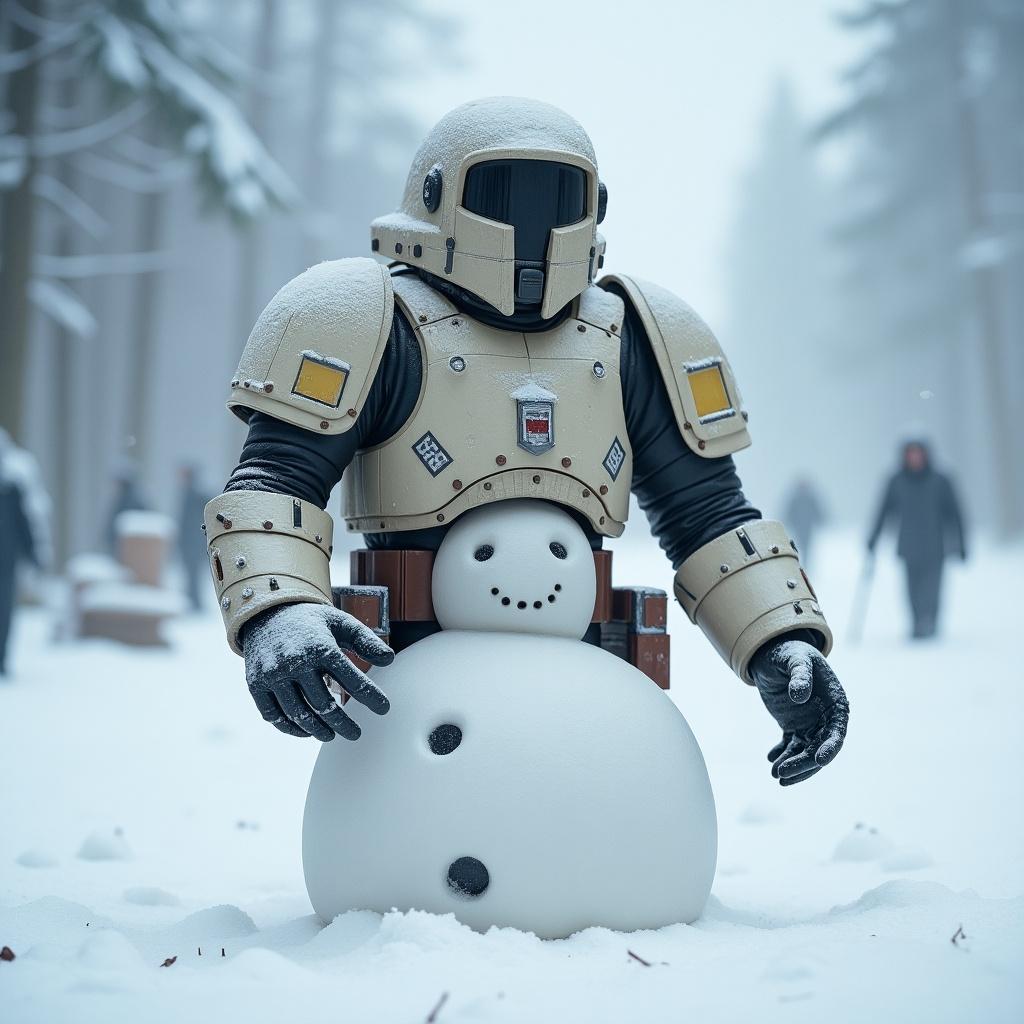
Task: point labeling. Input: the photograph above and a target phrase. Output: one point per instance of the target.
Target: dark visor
(533, 196)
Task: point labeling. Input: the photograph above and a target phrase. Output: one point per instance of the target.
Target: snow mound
(863, 843)
(36, 859)
(150, 896)
(211, 927)
(105, 846)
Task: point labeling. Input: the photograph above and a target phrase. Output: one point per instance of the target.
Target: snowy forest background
(166, 166)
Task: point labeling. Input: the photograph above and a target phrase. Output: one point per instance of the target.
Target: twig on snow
(169, 961)
(958, 934)
(639, 959)
(432, 1016)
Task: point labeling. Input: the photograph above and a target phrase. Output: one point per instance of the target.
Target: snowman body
(522, 777)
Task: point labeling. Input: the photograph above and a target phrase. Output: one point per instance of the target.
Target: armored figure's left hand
(804, 696)
(290, 648)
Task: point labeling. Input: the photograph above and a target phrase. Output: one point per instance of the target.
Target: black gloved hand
(804, 696)
(288, 651)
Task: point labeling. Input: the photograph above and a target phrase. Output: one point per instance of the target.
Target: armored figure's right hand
(288, 651)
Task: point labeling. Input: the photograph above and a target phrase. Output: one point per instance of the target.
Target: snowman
(523, 777)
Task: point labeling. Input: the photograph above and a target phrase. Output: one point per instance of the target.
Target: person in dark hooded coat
(18, 541)
(922, 505)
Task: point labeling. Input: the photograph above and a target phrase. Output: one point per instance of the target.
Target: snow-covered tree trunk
(986, 327)
(143, 336)
(252, 236)
(17, 223)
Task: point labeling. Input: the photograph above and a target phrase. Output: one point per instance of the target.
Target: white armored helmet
(503, 200)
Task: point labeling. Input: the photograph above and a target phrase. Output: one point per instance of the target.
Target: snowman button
(468, 876)
(445, 738)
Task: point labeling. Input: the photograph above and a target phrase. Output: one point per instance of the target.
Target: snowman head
(520, 566)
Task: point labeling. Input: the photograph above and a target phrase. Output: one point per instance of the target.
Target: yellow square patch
(320, 380)
(707, 385)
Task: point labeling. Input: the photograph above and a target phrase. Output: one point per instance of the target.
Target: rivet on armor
(423, 318)
(235, 383)
(601, 521)
(536, 478)
(791, 584)
(702, 445)
(582, 328)
(457, 363)
(567, 462)
(615, 327)
(417, 250)
(324, 424)
(440, 517)
(225, 603)
(248, 383)
(240, 561)
(247, 592)
(488, 486)
(501, 460)
(599, 370)
(586, 493)
(745, 415)
(274, 585)
(269, 386)
(687, 426)
(456, 321)
(604, 488)
(398, 246)
(267, 524)
(202, 526)
(457, 485)
(319, 539)
(224, 521)
(382, 524)
(352, 413)
(775, 549)
(723, 568)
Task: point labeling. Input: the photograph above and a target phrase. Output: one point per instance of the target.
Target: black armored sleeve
(286, 459)
(689, 500)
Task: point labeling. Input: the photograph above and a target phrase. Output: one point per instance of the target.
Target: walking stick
(860, 599)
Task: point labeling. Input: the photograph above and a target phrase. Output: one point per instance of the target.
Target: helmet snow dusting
(503, 200)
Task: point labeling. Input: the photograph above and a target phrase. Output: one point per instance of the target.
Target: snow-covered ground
(148, 813)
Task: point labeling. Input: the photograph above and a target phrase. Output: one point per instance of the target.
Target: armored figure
(488, 361)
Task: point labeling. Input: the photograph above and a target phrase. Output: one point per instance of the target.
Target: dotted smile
(506, 601)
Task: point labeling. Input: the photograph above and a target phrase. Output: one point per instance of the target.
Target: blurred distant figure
(923, 505)
(803, 512)
(23, 530)
(127, 497)
(191, 540)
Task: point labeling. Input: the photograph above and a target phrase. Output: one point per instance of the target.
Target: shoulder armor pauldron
(312, 356)
(698, 378)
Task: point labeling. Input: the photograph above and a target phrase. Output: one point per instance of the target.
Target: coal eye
(484, 552)
(558, 550)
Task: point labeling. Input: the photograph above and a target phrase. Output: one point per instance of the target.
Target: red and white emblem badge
(536, 426)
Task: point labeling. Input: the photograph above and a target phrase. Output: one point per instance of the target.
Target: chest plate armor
(501, 414)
